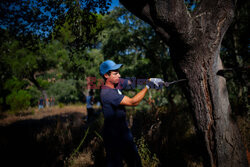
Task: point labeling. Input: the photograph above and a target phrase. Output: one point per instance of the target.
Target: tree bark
(194, 40)
(207, 93)
(34, 81)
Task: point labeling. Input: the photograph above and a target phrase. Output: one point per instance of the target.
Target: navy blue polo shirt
(115, 124)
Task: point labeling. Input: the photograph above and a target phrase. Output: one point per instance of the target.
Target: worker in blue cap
(118, 139)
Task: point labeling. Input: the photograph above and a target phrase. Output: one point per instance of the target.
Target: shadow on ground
(41, 142)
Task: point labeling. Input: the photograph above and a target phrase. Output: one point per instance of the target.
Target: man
(40, 103)
(118, 139)
(89, 106)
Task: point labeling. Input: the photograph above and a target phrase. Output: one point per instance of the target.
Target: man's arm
(134, 101)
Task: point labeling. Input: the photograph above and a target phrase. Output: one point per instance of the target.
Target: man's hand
(158, 82)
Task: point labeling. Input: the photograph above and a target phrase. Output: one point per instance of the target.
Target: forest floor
(45, 137)
(34, 113)
(50, 136)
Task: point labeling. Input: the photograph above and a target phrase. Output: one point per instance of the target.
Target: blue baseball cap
(107, 66)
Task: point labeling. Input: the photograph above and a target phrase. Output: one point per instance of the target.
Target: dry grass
(34, 113)
(84, 159)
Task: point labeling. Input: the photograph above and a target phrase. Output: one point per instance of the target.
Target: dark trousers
(122, 149)
(90, 112)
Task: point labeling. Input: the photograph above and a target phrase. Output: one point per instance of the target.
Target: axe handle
(170, 83)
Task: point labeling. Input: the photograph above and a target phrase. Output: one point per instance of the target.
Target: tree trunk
(207, 93)
(33, 80)
(194, 40)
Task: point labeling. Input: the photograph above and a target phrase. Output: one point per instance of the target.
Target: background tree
(127, 39)
(24, 18)
(29, 25)
(195, 42)
(235, 57)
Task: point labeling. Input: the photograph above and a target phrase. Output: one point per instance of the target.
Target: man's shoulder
(107, 92)
(110, 94)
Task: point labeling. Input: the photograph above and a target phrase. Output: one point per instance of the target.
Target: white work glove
(158, 82)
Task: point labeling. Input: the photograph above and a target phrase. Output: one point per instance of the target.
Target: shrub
(35, 95)
(148, 159)
(61, 105)
(64, 91)
(18, 100)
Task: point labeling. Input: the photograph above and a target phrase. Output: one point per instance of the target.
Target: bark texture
(195, 41)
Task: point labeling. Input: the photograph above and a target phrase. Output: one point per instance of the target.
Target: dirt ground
(34, 113)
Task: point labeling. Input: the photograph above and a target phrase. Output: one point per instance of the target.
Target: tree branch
(167, 17)
(139, 8)
(142, 10)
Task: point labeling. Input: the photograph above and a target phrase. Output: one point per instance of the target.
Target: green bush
(148, 159)
(64, 91)
(35, 95)
(61, 105)
(14, 84)
(43, 83)
(18, 100)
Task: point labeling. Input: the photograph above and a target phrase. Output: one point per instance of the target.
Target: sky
(114, 4)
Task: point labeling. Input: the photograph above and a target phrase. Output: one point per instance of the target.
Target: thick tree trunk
(207, 93)
(194, 40)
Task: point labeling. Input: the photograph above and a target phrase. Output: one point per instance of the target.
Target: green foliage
(43, 83)
(235, 56)
(19, 100)
(48, 55)
(39, 17)
(64, 91)
(20, 60)
(61, 105)
(127, 39)
(14, 84)
(81, 37)
(29, 48)
(95, 58)
(148, 159)
(25, 62)
(35, 95)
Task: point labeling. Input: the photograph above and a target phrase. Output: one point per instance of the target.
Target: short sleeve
(113, 97)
